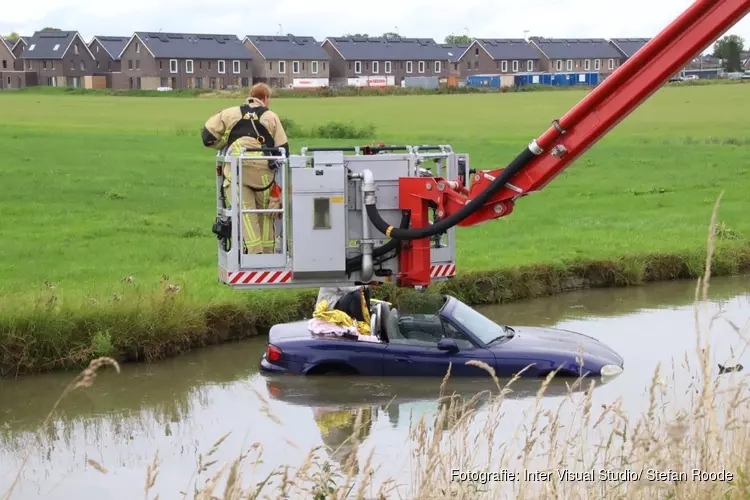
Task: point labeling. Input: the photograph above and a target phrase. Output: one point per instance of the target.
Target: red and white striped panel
(442, 271)
(259, 277)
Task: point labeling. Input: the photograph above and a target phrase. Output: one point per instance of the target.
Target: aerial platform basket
(322, 230)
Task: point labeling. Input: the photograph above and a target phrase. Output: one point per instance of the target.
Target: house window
(558, 65)
(235, 67)
(5, 64)
(611, 64)
(32, 46)
(282, 66)
(314, 67)
(476, 51)
(83, 66)
(438, 67)
(597, 64)
(515, 66)
(53, 65)
(295, 67)
(504, 66)
(529, 66)
(357, 67)
(408, 66)
(570, 65)
(138, 64)
(388, 67)
(137, 48)
(587, 64)
(375, 67)
(75, 49)
(173, 65)
(97, 49)
(420, 66)
(189, 66)
(130, 64)
(57, 46)
(222, 67)
(98, 65)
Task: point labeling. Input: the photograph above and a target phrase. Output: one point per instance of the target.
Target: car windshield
(482, 327)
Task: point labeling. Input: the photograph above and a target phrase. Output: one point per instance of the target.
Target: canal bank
(183, 405)
(154, 325)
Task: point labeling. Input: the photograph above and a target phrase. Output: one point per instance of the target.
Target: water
(180, 407)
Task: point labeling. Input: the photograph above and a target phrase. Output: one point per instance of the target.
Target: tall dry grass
(709, 433)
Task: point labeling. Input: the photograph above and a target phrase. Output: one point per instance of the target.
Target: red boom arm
(567, 139)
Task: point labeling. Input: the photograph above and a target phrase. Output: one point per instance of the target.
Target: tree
(390, 35)
(13, 36)
(458, 39)
(728, 49)
(51, 29)
(363, 35)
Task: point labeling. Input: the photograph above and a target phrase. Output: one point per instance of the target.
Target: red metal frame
(567, 139)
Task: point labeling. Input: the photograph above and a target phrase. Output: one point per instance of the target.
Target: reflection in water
(181, 406)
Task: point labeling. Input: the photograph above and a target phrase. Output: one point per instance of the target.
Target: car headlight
(610, 370)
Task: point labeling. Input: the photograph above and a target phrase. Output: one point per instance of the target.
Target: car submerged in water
(425, 345)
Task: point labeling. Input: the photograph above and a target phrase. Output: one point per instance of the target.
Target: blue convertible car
(425, 345)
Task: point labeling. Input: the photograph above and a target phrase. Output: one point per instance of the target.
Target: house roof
(112, 44)
(387, 49)
(576, 48)
(193, 45)
(9, 45)
(52, 44)
(508, 48)
(454, 51)
(629, 46)
(288, 47)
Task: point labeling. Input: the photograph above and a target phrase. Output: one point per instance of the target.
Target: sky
(318, 18)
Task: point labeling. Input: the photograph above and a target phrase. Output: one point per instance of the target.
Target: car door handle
(403, 360)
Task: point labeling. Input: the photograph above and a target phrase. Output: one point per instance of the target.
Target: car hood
(535, 339)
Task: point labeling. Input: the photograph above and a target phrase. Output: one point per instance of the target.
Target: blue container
(487, 81)
(532, 79)
(585, 79)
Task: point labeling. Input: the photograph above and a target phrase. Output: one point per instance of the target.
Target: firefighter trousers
(258, 230)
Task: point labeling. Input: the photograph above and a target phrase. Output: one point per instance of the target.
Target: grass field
(96, 189)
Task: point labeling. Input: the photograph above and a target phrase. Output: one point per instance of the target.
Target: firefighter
(251, 125)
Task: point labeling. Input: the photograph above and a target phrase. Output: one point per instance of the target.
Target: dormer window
(32, 46)
(57, 46)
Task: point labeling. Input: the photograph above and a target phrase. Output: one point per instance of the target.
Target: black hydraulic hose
(355, 263)
(443, 225)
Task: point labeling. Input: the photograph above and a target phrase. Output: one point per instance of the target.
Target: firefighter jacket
(250, 125)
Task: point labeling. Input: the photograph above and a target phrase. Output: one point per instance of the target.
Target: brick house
(281, 61)
(59, 58)
(106, 50)
(453, 53)
(7, 57)
(499, 56)
(18, 48)
(391, 59)
(577, 54)
(183, 61)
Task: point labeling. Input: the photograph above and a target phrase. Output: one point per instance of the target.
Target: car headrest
(384, 318)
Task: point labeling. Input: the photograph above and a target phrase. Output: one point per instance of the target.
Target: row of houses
(147, 60)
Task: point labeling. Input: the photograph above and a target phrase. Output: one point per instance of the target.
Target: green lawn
(95, 188)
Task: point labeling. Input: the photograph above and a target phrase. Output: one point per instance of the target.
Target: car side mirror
(448, 345)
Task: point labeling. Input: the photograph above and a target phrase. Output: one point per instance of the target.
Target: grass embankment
(103, 197)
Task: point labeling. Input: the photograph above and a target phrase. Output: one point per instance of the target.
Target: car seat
(389, 323)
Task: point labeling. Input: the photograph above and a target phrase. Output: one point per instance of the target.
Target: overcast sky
(422, 18)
